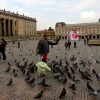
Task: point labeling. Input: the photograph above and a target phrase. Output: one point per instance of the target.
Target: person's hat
(45, 34)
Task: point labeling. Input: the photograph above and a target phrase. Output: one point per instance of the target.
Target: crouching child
(42, 67)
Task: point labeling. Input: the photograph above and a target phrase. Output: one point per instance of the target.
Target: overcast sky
(49, 12)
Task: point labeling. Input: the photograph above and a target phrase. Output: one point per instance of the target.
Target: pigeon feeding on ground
(98, 76)
(10, 82)
(31, 81)
(94, 71)
(63, 93)
(97, 61)
(43, 81)
(39, 95)
(72, 86)
(28, 78)
(76, 79)
(95, 93)
(89, 87)
(8, 69)
(65, 80)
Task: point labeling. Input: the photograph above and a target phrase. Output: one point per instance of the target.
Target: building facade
(86, 30)
(14, 24)
(51, 34)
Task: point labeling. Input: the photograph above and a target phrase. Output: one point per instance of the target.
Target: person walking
(13, 43)
(84, 41)
(74, 44)
(18, 44)
(69, 44)
(66, 44)
(3, 44)
(43, 46)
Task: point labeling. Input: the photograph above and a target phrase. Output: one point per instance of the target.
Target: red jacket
(3, 45)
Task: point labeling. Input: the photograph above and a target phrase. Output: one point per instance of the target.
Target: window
(15, 23)
(15, 32)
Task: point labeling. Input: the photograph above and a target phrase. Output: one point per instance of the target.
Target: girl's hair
(44, 60)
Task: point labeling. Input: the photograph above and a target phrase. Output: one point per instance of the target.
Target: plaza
(20, 90)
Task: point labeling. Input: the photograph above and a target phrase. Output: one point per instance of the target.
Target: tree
(50, 29)
(99, 20)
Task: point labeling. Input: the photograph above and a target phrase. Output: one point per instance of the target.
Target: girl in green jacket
(42, 67)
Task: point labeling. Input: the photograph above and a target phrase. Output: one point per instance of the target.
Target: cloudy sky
(49, 12)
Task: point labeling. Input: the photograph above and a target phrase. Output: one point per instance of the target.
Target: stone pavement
(20, 90)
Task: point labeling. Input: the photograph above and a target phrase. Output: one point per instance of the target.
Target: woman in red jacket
(3, 44)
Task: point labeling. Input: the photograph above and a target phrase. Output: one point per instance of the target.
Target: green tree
(99, 20)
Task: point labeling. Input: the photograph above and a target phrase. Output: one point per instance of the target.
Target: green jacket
(42, 67)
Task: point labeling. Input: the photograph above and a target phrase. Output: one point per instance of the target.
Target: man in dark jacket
(69, 44)
(43, 46)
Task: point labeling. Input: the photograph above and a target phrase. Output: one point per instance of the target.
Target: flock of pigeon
(61, 70)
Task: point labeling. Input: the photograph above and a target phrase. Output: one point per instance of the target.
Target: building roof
(62, 24)
(77, 24)
(16, 15)
(45, 31)
(84, 24)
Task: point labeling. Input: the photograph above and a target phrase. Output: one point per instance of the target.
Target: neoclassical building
(14, 24)
(90, 30)
(51, 34)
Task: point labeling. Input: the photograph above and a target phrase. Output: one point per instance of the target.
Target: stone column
(95, 36)
(9, 34)
(0, 28)
(4, 21)
(13, 27)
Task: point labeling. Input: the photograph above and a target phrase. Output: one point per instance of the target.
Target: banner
(73, 35)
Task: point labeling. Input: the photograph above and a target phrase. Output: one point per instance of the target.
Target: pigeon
(83, 75)
(73, 87)
(8, 69)
(39, 95)
(72, 82)
(57, 75)
(72, 70)
(31, 80)
(23, 58)
(95, 93)
(97, 61)
(10, 82)
(69, 75)
(75, 79)
(65, 80)
(63, 93)
(9, 64)
(28, 78)
(89, 87)
(87, 78)
(15, 74)
(46, 85)
(89, 63)
(98, 76)
(23, 71)
(14, 70)
(80, 71)
(94, 71)
(43, 81)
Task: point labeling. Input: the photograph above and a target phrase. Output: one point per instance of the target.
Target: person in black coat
(69, 44)
(74, 44)
(43, 46)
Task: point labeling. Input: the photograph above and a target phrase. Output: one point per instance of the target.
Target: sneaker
(2, 60)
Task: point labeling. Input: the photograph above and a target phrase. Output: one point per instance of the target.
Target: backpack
(37, 49)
